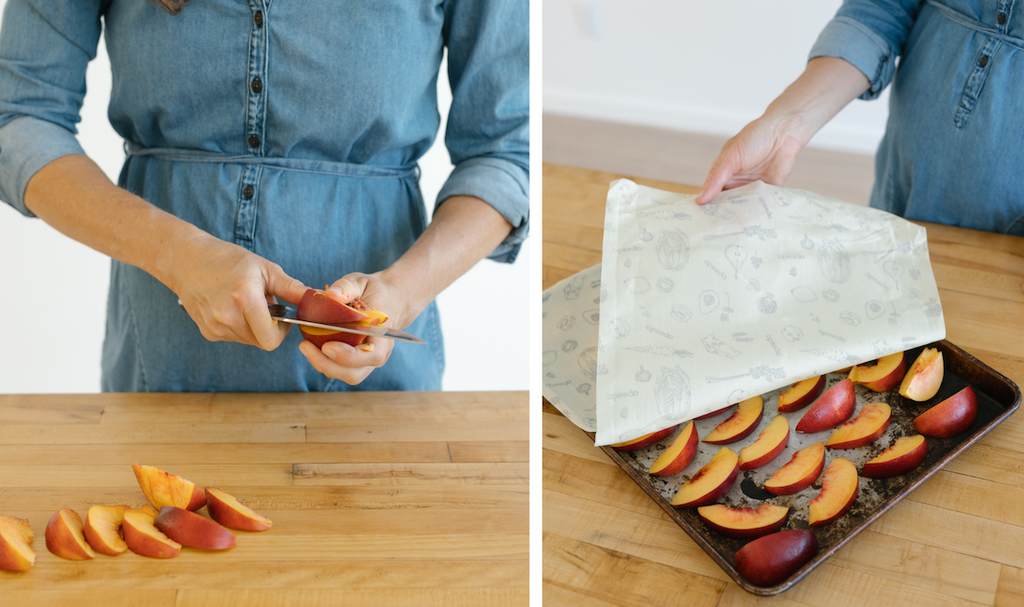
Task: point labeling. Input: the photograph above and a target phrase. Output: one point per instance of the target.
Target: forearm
(463, 231)
(74, 196)
(825, 87)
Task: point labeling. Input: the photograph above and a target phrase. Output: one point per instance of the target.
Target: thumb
(344, 290)
(722, 169)
(281, 285)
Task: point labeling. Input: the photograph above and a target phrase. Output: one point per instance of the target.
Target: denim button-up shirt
(953, 150)
(289, 128)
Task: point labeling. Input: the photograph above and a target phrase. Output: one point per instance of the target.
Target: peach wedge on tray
(885, 374)
(644, 441)
(710, 482)
(903, 456)
(839, 488)
(833, 408)
(739, 425)
(801, 394)
(744, 523)
(864, 429)
(678, 455)
(799, 473)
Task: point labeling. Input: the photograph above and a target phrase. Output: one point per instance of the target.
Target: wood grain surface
(416, 499)
(958, 540)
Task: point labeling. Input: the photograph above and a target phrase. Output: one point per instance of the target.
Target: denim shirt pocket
(976, 82)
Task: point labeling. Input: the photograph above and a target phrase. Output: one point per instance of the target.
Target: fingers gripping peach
(317, 306)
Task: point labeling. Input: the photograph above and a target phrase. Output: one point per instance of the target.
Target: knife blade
(283, 313)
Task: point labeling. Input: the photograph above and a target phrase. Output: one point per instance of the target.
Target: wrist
(409, 295)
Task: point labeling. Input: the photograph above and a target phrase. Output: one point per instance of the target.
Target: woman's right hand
(226, 289)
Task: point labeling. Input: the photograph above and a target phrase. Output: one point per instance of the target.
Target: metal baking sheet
(998, 398)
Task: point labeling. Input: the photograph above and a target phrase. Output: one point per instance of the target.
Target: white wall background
(709, 67)
(53, 291)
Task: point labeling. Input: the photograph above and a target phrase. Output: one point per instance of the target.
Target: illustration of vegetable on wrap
(673, 249)
(834, 261)
(672, 392)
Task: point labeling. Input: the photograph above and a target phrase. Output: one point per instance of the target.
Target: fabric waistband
(343, 169)
(968, 21)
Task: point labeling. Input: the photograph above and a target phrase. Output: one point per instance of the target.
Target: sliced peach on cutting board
(801, 394)
(144, 539)
(678, 455)
(885, 374)
(903, 456)
(924, 377)
(710, 482)
(190, 529)
(839, 488)
(833, 408)
(102, 529)
(769, 444)
(65, 537)
(772, 559)
(744, 523)
(228, 511)
(15, 544)
(864, 429)
(739, 425)
(799, 473)
(950, 417)
(165, 489)
(646, 440)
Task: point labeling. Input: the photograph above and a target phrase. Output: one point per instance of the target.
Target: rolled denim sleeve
(870, 34)
(45, 46)
(488, 134)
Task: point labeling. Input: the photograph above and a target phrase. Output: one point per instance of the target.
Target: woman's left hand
(352, 364)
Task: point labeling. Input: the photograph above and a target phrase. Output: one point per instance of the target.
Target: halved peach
(739, 424)
(769, 444)
(144, 539)
(102, 529)
(886, 374)
(65, 538)
(839, 488)
(771, 559)
(799, 473)
(15, 538)
(801, 394)
(744, 523)
(678, 455)
(833, 408)
(228, 511)
(950, 417)
(648, 439)
(165, 489)
(903, 456)
(710, 482)
(318, 306)
(864, 429)
(924, 377)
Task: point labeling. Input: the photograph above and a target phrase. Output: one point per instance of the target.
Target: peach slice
(769, 444)
(15, 537)
(904, 455)
(833, 408)
(678, 455)
(801, 394)
(799, 473)
(165, 489)
(144, 539)
(950, 417)
(740, 424)
(190, 529)
(710, 482)
(318, 306)
(102, 524)
(744, 523)
(648, 439)
(231, 513)
(715, 413)
(869, 424)
(771, 559)
(65, 538)
(839, 487)
(924, 377)
(886, 374)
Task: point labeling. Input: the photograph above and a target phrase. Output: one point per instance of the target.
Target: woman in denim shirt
(953, 150)
(271, 145)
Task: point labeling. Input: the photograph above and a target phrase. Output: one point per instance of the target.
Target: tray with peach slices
(158, 529)
(774, 485)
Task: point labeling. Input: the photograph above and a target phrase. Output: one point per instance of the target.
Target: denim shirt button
(984, 61)
(257, 85)
(248, 192)
(258, 18)
(254, 141)
(1001, 18)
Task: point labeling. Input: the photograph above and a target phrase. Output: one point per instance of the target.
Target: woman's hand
(226, 289)
(352, 364)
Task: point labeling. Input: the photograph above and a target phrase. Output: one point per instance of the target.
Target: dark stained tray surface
(998, 397)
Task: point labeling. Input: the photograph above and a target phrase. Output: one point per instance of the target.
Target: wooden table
(957, 540)
(394, 499)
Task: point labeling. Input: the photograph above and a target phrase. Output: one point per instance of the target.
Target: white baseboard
(839, 135)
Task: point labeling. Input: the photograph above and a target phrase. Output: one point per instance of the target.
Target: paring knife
(283, 313)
